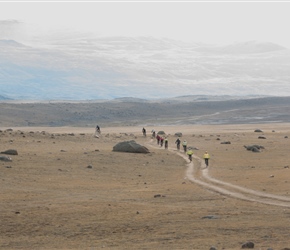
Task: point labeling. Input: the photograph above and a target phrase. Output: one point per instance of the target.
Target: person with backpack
(177, 142)
(166, 143)
(206, 158)
(189, 153)
(184, 145)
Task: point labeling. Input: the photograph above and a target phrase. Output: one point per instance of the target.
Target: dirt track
(224, 188)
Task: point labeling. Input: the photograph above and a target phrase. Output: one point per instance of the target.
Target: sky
(213, 22)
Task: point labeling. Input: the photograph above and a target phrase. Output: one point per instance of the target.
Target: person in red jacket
(158, 139)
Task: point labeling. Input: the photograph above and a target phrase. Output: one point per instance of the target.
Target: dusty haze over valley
(213, 74)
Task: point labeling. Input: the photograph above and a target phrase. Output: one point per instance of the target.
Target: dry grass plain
(51, 199)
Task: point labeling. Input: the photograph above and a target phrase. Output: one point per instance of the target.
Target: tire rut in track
(233, 191)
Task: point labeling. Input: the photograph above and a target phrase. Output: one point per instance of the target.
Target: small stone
(209, 217)
(5, 158)
(261, 137)
(248, 244)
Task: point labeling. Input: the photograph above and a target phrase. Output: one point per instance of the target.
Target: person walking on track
(206, 158)
(184, 145)
(166, 143)
(189, 153)
(177, 142)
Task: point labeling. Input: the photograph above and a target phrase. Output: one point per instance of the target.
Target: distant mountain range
(143, 67)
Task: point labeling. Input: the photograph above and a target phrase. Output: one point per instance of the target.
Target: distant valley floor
(146, 113)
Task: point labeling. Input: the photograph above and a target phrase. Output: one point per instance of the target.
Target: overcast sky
(210, 22)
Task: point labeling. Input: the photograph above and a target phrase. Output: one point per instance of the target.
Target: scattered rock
(258, 130)
(178, 134)
(130, 147)
(285, 136)
(161, 133)
(158, 195)
(225, 142)
(213, 248)
(89, 166)
(286, 166)
(5, 158)
(211, 217)
(271, 176)
(262, 137)
(254, 148)
(248, 244)
(10, 152)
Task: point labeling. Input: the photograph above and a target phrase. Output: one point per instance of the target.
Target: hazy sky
(210, 22)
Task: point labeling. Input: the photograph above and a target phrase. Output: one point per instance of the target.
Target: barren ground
(50, 199)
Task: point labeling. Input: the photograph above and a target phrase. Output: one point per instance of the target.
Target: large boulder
(130, 147)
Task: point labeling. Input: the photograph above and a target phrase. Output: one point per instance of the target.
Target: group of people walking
(189, 151)
(162, 140)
